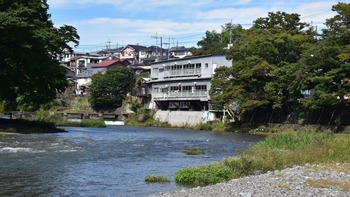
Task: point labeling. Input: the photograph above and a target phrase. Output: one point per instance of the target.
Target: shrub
(156, 179)
(44, 116)
(193, 151)
(278, 151)
(204, 174)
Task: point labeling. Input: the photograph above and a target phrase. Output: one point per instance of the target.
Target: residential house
(179, 52)
(180, 88)
(78, 61)
(114, 53)
(83, 79)
(111, 63)
(141, 55)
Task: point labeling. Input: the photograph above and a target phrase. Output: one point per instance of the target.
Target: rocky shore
(308, 180)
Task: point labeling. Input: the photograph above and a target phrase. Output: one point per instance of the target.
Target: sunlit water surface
(112, 161)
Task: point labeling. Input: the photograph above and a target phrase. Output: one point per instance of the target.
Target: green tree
(217, 43)
(108, 90)
(280, 21)
(325, 66)
(263, 64)
(338, 26)
(29, 43)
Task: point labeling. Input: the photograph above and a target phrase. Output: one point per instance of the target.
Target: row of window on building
(181, 88)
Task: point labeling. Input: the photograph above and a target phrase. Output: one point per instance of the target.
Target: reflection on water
(106, 162)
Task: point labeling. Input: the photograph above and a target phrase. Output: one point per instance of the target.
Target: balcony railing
(184, 94)
(181, 73)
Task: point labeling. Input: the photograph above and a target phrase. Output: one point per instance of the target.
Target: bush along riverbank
(27, 126)
(47, 117)
(278, 151)
(44, 122)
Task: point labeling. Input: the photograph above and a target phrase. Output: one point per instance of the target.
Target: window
(174, 88)
(186, 88)
(206, 65)
(185, 104)
(156, 90)
(201, 87)
(155, 70)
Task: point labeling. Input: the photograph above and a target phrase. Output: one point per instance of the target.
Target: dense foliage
(279, 59)
(30, 74)
(108, 90)
(278, 151)
(217, 43)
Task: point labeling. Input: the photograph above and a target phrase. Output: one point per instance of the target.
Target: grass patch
(83, 123)
(27, 126)
(193, 151)
(282, 186)
(276, 152)
(337, 167)
(145, 120)
(156, 179)
(216, 125)
(52, 118)
(327, 183)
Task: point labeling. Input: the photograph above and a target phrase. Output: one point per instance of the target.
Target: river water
(112, 161)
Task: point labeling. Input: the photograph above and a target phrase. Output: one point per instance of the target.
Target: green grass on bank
(145, 120)
(46, 116)
(156, 179)
(83, 123)
(193, 151)
(278, 151)
(27, 126)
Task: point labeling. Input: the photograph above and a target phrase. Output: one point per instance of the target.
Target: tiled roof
(107, 63)
(181, 48)
(136, 47)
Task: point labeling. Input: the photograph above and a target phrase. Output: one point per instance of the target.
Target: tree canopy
(108, 90)
(279, 58)
(217, 43)
(29, 43)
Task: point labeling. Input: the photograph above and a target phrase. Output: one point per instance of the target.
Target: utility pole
(108, 44)
(169, 47)
(156, 37)
(161, 48)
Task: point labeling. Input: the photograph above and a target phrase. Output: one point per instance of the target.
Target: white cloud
(238, 15)
(133, 21)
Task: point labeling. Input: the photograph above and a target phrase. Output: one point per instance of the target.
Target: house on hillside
(114, 53)
(180, 88)
(179, 52)
(112, 63)
(83, 79)
(141, 55)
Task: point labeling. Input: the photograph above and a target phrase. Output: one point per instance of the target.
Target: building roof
(136, 47)
(89, 72)
(155, 48)
(115, 50)
(178, 49)
(187, 58)
(108, 62)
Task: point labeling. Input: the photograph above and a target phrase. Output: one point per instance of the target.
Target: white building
(180, 88)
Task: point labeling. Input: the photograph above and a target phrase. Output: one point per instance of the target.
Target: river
(111, 161)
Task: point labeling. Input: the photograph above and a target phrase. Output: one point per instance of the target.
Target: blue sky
(102, 23)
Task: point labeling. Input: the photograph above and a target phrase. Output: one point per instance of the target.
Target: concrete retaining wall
(179, 118)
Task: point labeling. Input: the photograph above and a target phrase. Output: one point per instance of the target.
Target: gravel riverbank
(308, 180)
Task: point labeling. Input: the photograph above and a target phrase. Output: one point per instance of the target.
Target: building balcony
(177, 73)
(184, 95)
